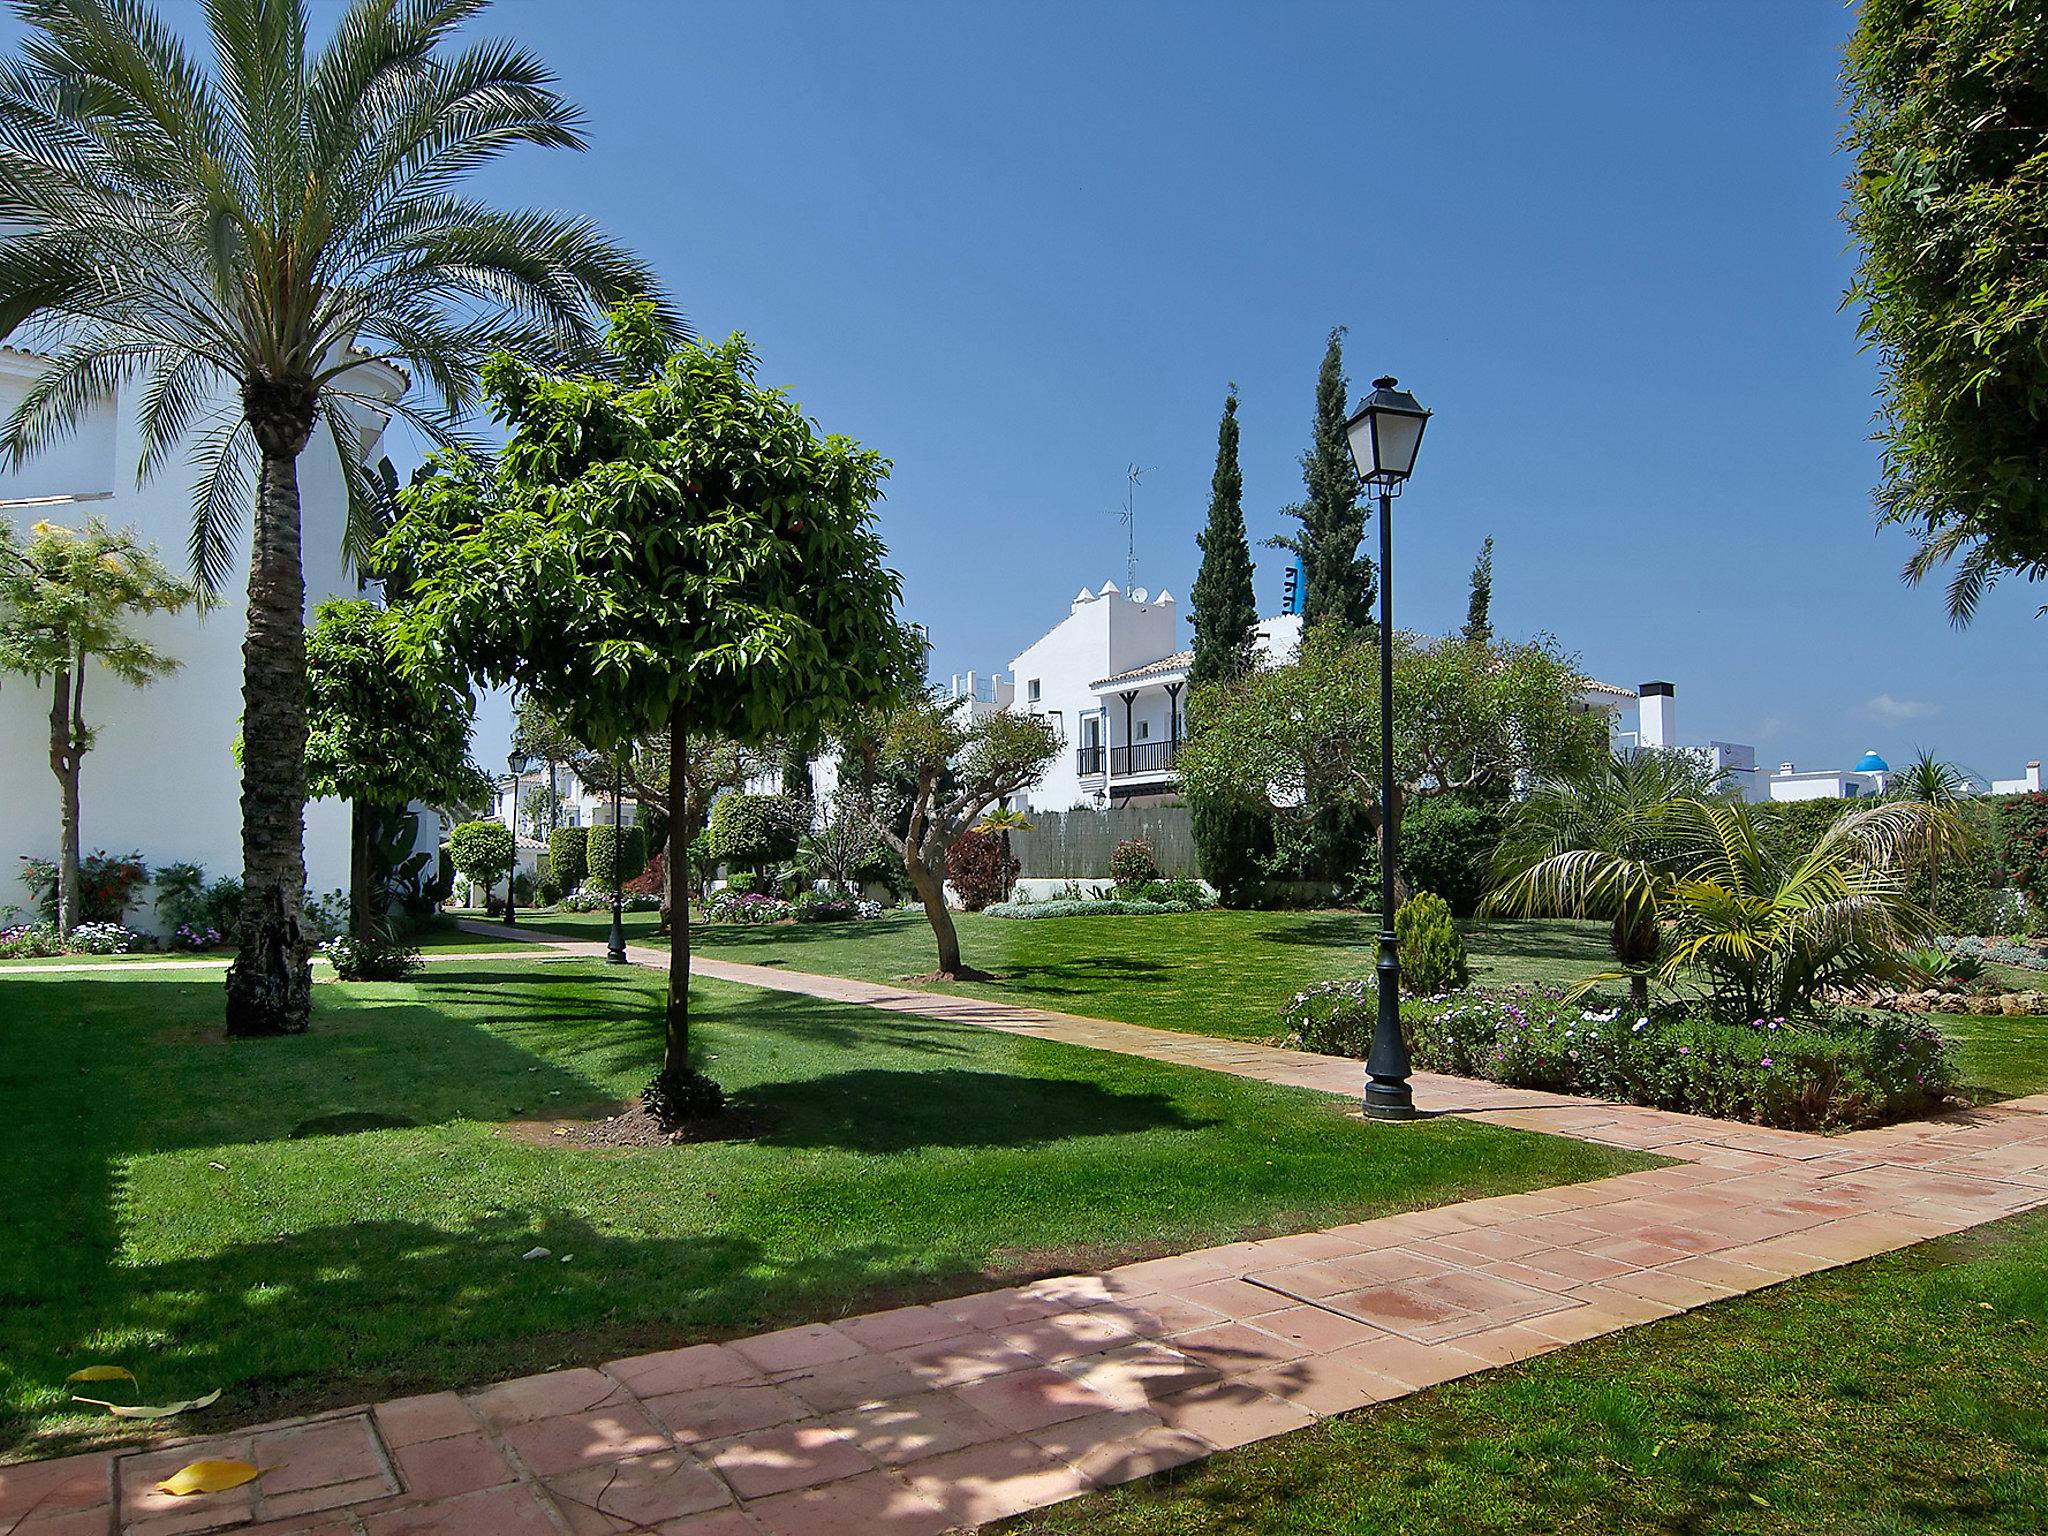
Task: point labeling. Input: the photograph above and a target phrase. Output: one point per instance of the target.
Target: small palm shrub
(1432, 953)
(1132, 865)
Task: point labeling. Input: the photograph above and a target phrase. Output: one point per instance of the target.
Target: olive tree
(927, 772)
(665, 548)
(1469, 719)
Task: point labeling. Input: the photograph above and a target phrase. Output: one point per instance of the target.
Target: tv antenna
(1127, 514)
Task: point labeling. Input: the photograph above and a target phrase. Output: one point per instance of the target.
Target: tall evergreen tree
(1226, 608)
(1479, 610)
(1338, 582)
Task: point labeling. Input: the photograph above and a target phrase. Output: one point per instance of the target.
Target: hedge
(568, 856)
(615, 854)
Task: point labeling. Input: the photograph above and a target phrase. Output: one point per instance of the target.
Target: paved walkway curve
(932, 1418)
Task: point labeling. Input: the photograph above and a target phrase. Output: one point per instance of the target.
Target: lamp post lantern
(521, 764)
(1385, 434)
(615, 946)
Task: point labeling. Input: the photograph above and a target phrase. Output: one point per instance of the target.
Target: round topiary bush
(755, 831)
(1432, 953)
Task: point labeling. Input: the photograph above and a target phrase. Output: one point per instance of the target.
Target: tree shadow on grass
(373, 1309)
(1324, 930)
(1537, 941)
(1082, 976)
(895, 1111)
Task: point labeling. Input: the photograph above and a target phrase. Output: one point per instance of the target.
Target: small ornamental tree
(980, 868)
(1132, 865)
(379, 737)
(663, 548)
(928, 771)
(483, 851)
(568, 856)
(756, 831)
(1432, 953)
(65, 601)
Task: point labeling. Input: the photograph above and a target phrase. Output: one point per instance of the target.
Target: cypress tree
(1226, 610)
(1232, 842)
(1338, 582)
(1479, 611)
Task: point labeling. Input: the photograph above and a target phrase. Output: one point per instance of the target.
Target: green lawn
(341, 1216)
(1213, 973)
(1898, 1396)
(2001, 1057)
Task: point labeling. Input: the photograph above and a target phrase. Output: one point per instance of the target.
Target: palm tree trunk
(675, 1056)
(269, 988)
(67, 736)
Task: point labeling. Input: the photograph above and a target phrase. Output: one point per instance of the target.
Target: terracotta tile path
(931, 1418)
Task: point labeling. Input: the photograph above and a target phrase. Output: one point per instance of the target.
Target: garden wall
(1076, 845)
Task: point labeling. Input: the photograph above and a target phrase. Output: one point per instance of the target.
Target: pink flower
(1767, 1061)
(1685, 1050)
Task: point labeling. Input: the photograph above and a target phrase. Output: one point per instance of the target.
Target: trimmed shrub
(1132, 865)
(746, 907)
(648, 881)
(1098, 907)
(569, 856)
(1432, 953)
(978, 870)
(615, 854)
(818, 907)
(1447, 847)
(1233, 847)
(371, 959)
(1814, 1075)
(755, 831)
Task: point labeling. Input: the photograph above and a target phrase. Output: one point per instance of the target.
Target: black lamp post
(521, 764)
(1385, 433)
(615, 947)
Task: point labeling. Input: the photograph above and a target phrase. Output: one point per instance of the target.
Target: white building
(582, 805)
(1657, 730)
(1867, 779)
(2028, 783)
(161, 779)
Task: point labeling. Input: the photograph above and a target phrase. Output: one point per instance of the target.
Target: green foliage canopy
(379, 733)
(1948, 123)
(482, 850)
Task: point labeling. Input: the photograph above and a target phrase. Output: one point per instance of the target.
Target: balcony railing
(1088, 760)
(1141, 757)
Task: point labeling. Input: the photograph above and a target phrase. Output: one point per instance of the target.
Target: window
(1144, 730)
(1031, 691)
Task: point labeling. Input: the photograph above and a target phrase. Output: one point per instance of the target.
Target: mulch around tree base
(633, 1126)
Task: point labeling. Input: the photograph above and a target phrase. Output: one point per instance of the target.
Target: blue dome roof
(1870, 762)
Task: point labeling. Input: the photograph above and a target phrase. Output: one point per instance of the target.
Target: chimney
(1656, 725)
(2033, 777)
(1784, 767)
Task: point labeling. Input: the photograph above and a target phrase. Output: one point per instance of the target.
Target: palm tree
(249, 241)
(1768, 930)
(1603, 847)
(1004, 820)
(1944, 788)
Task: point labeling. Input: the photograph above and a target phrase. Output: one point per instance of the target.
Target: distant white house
(1865, 780)
(2028, 783)
(1657, 730)
(161, 779)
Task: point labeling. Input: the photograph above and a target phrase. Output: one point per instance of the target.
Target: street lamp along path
(1385, 433)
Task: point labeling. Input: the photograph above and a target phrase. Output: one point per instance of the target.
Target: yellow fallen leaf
(209, 1477)
(102, 1373)
(148, 1411)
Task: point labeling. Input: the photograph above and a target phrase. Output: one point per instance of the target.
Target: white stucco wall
(161, 779)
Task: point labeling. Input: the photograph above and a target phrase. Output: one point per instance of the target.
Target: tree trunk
(67, 746)
(362, 874)
(269, 987)
(668, 882)
(675, 1055)
(931, 890)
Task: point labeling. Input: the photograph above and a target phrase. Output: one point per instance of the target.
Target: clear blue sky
(1018, 248)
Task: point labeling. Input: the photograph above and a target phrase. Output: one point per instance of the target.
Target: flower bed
(817, 907)
(1817, 1074)
(37, 941)
(1107, 906)
(746, 907)
(2027, 955)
